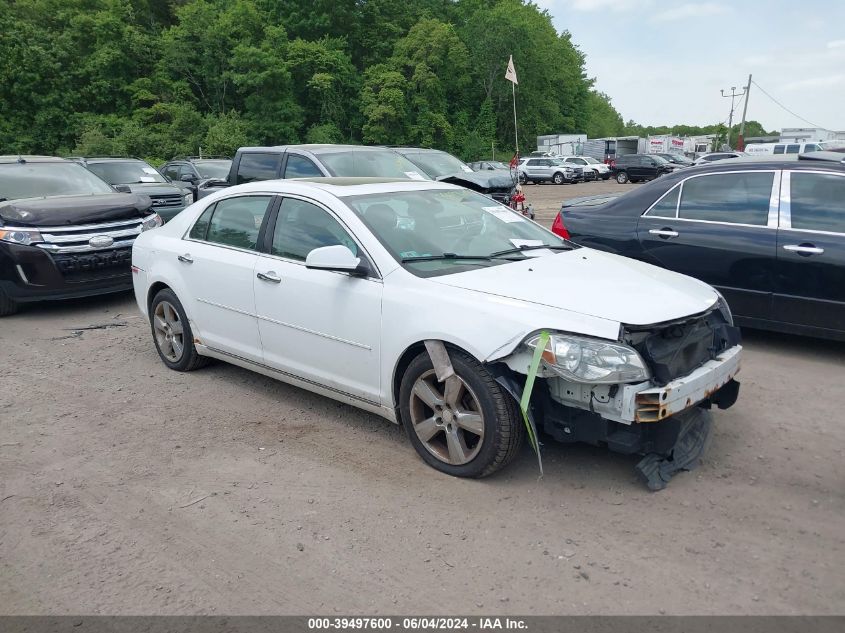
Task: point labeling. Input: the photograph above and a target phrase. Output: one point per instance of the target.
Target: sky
(663, 62)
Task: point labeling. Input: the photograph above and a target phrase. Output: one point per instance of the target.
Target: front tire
(622, 177)
(7, 305)
(467, 426)
(172, 333)
(558, 178)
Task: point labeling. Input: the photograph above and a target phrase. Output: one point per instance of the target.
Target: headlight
(188, 199)
(21, 236)
(591, 361)
(724, 308)
(151, 222)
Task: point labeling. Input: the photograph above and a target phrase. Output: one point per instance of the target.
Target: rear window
(258, 167)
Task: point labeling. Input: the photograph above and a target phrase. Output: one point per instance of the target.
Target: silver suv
(538, 169)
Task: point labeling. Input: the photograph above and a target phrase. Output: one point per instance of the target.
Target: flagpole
(515, 130)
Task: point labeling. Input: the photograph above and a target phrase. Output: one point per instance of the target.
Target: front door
(810, 280)
(721, 229)
(218, 262)
(318, 325)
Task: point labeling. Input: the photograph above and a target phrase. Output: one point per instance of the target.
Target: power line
(785, 108)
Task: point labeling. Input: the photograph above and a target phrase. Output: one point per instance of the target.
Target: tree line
(159, 78)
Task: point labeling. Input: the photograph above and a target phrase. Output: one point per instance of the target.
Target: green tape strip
(526, 395)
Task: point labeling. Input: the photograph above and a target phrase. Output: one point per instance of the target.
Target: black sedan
(770, 236)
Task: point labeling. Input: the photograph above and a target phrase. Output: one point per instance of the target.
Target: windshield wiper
(429, 258)
(532, 247)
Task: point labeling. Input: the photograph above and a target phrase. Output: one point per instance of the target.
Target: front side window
(258, 167)
(237, 221)
(740, 198)
(818, 202)
(172, 172)
(301, 167)
(301, 227)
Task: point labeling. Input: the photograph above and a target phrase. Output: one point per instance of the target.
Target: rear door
(810, 280)
(720, 228)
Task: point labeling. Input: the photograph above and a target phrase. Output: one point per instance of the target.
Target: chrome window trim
(679, 186)
(786, 200)
(771, 221)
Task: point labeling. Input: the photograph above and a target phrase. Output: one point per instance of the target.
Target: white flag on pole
(510, 73)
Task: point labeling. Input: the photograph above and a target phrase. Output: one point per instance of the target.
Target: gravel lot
(129, 489)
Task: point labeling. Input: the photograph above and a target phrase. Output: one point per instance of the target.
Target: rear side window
(779, 149)
(667, 207)
(818, 202)
(258, 167)
(741, 198)
(301, 167)
(237, 221)
(793, 149)
(200, 227)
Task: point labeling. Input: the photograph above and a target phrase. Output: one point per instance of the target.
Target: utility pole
(734, 94)
(740, 142)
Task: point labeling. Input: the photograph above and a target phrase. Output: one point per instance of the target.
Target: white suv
(593, 169)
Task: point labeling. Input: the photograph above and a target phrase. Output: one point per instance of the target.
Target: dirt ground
(126, 488)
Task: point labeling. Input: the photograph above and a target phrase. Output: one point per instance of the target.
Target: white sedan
(426, 303)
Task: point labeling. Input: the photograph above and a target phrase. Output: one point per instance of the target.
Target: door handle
(664, 233)
(185, 259)
(803, 249)
(270, 276)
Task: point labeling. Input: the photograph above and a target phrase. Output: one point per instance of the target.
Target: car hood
(83, 209)
(593, 283)
(481, 180)
(154, 188)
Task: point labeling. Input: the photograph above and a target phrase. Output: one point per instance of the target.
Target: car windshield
(498, 165)
(437, 232)
(369, 163)
(590, 160)
(560, 161)
(126, 172)
(213, 168)
(660, 159)
(36, 180)
(437, 164)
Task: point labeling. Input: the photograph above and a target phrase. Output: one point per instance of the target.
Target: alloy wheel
(169, 332)
(447, 418)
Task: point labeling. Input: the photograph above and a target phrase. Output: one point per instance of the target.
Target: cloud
(836, 44)
(688, 11)
(606, 5)
(816, 82)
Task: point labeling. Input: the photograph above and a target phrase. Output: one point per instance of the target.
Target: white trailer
(665, 144)
(608, 149)
(561, 144)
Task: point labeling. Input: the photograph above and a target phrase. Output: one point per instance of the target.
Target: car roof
(345, 187)
(761, 163)
(109, 159)
(314, 148)
(17, 158)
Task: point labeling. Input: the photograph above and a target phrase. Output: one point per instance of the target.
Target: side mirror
(337, 258)
(188, 178)
(122, 188)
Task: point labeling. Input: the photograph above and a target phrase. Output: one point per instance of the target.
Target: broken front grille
(675, 349)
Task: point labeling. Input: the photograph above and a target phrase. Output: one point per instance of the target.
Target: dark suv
(197, 171)
(168, 199)
(64, 232)
(637, 167)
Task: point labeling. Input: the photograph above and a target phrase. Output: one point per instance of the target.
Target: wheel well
(407, 356)
(154, 290)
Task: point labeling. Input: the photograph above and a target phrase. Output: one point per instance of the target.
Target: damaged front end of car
(646, 393)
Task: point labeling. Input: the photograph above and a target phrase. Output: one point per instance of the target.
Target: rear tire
(621, 177)
(468, 426)
(7, 305)
(172, 333)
